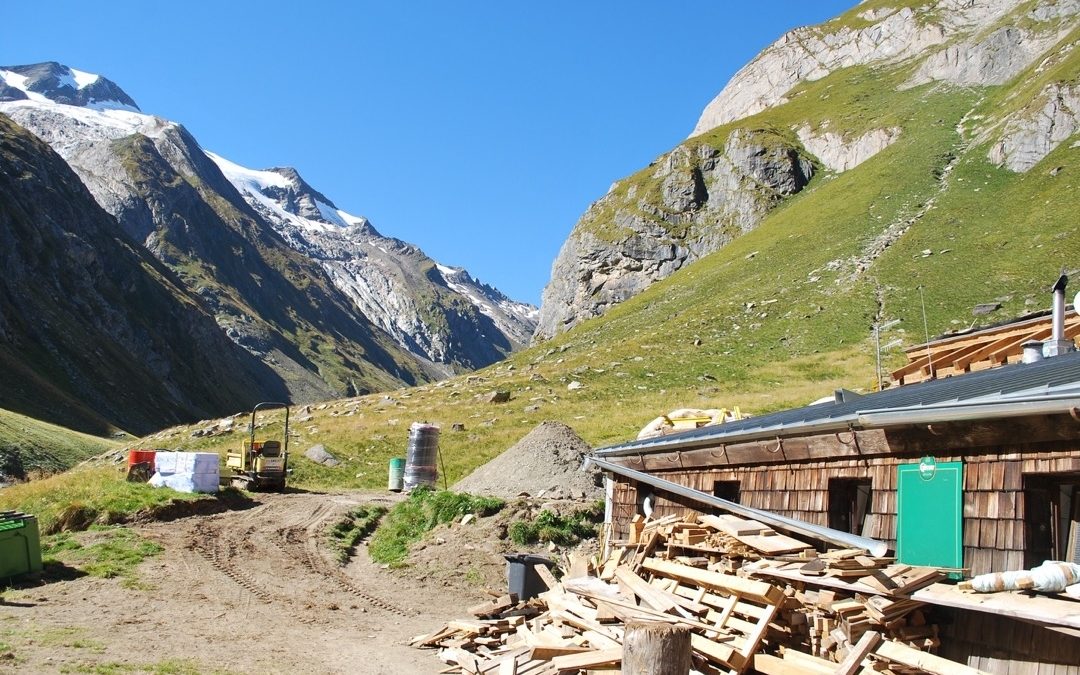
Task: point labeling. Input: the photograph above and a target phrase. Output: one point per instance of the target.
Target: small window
(1052, 515)
(726, 489)
(645, 500)
(849, 503)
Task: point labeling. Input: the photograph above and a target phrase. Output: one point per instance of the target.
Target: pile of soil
(468, 557)
(545, 463)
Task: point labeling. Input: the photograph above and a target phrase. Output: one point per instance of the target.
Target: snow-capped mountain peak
(286, 195)
(491, 301)
(55, 82)
(382, 275)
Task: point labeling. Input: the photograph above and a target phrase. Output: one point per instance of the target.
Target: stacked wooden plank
(870, 656)
(791, 611)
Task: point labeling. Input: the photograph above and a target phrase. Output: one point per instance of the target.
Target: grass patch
(110, 552)
(351, 530)
(562, 530)
(66, 636)
(409, 520)
(166, 667)
(73, 643)
(75, 500)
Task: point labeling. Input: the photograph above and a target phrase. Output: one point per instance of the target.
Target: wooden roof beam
(997, 345)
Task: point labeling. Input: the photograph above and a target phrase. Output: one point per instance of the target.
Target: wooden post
(656, 649)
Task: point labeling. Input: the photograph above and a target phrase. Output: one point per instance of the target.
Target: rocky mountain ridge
(674, 212)
(94, 331)
(254, 260)
(390, 281)
(694, 200)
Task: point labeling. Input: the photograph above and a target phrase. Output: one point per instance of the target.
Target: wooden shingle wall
(999, 644)
(993, 498)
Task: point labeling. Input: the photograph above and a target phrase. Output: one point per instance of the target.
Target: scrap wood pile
(743, 616)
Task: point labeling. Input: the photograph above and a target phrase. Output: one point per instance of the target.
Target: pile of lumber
(787, 610)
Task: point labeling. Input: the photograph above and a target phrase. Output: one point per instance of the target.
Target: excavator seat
(270, 448)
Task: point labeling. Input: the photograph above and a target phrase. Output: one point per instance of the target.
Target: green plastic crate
(20, 545)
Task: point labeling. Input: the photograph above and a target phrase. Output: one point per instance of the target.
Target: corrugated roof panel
(1049, 374)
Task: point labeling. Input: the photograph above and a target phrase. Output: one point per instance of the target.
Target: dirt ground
(246, 591)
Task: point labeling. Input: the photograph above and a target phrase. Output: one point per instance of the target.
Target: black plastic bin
(521, 579)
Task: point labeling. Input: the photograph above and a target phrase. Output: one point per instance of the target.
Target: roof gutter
(962, 412)
(837, 424)
(885, 417)
(846, 539)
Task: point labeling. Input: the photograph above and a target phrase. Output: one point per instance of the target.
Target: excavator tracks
(273, 552)
(305, 542)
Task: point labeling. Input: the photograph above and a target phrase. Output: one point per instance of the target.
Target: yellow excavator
(261, 465)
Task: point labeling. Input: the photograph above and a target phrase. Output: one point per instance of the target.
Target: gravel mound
(547, 460)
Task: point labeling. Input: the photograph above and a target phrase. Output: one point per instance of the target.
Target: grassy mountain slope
(783, 314)
(30, 446)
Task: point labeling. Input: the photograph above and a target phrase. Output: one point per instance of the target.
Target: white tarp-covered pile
(187, 471)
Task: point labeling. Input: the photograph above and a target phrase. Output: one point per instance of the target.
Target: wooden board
(733, 525)
(774, 665)
(591, 659)
(748, 588)
(1036, 608)
(773, 543)
(901, 653)
(853, 661)
(754, 534)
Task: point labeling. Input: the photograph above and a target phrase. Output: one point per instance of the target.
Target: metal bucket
(420, 468)
(397, 474)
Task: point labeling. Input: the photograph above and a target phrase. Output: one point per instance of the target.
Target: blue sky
(478, 131)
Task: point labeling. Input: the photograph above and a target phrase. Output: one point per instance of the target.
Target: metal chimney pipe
(1057, 344)
(1033, 351)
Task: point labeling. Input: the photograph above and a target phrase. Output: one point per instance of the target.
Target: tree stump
(651, 648)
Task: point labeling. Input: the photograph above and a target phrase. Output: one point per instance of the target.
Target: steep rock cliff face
(1044, 116)
(808, 54)
(94, 332)
(694, 200)
(1027, 138)
(839, 153)
(660, 219)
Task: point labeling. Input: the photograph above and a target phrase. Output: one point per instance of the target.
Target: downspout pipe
(845, 539)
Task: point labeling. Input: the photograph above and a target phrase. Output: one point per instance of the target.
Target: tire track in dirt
(304, 537)
(208, 544)
(306, 542)
(284, 530)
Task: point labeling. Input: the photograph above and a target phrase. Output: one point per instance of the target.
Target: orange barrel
(138, 456)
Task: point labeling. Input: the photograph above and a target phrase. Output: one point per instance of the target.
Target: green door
(929, 514)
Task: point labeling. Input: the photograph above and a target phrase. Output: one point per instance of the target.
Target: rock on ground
(547, 459)
(318, 453)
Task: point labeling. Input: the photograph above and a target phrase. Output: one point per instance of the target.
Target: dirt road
(248, 591)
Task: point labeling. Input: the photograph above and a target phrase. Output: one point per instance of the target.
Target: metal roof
(1053, 378)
